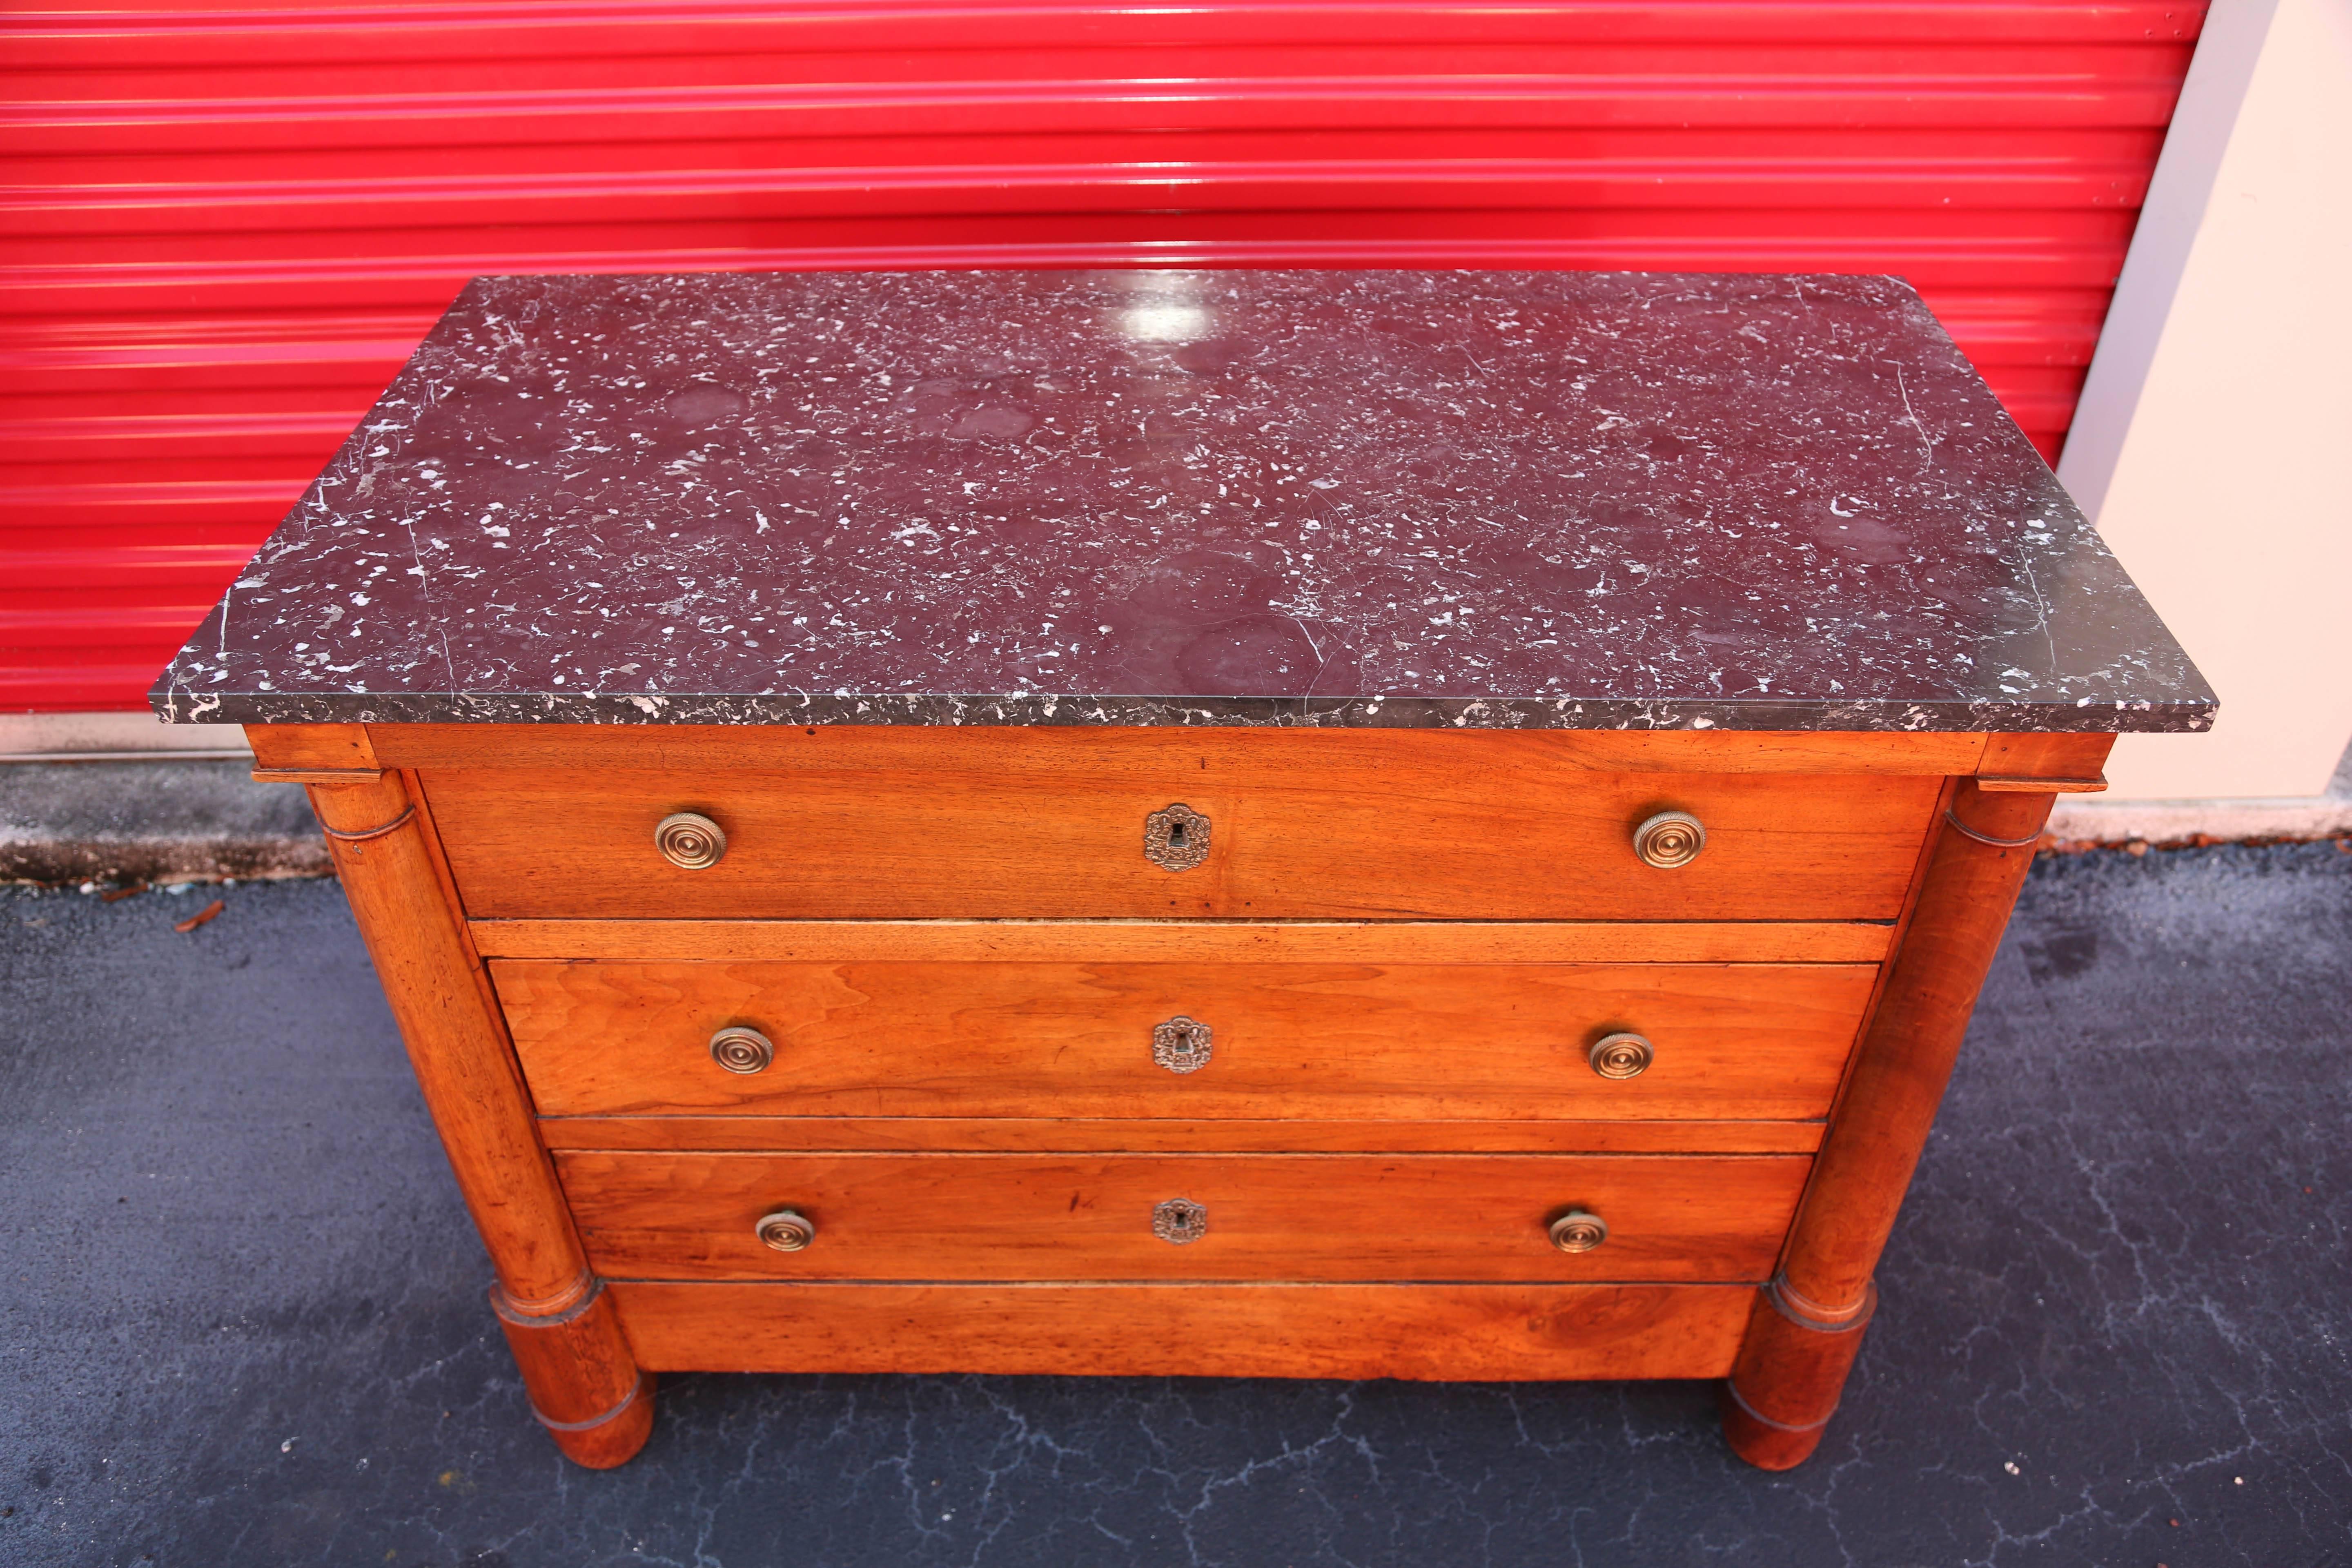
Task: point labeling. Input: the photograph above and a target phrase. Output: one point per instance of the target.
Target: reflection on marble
(1506, 499)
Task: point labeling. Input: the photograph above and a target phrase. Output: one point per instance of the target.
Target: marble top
(1511, 499)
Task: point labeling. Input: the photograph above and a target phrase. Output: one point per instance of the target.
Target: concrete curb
(114, 737)
(131, 822)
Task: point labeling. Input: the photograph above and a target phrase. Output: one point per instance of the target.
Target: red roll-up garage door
(227, 228)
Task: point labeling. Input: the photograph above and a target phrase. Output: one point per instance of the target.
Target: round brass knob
(1615, 1056)
(1577, 1231)
(689, 840)
(1669, 839)
(786, 1230)
(739, 1049)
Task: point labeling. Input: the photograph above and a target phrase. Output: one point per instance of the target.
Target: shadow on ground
(241, 1313)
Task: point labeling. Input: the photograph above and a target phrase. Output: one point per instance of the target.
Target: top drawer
(1476, 828)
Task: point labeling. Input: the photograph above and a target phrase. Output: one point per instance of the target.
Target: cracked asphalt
(242, 1323)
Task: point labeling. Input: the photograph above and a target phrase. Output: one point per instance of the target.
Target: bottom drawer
(649, 1215)
(1481, 1333)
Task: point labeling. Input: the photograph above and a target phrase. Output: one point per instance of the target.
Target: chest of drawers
(1357, 869)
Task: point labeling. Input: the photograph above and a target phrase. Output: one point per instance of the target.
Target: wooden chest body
(1074, 822)
(957, 951)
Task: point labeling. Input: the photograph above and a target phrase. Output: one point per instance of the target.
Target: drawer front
(1284, 841)
(1433, 1041)
(1117, 1216)
(1452, 1331)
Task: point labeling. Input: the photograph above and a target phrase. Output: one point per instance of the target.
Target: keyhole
(1176, 835)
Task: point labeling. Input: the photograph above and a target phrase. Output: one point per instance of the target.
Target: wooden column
(1806, 1326)
(583, 1378)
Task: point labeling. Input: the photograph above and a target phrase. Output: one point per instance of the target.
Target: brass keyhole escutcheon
(1176, 839)
(1179, 1221)
(741, 1049)
(689, 840)
(1578, 1231)
(786, 1230)
(1621, 1056)
(1670, 839)
(1182, 1044)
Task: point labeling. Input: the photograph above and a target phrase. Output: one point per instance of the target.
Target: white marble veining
(1490, 499)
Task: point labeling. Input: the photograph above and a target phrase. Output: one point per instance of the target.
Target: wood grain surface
(575, 1362)
(1329, 1041)
(1485, 837)
(1716, 1218)
(332, 748)
(1193, 942)
(585, 1386)
(1089, 1135)
(2064, 758)
(449, 1020)
(1483, 1332)
(1046, 752)
(1787, 1382)
(1906, 1054)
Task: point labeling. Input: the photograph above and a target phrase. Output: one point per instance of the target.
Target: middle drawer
(1426, 1041)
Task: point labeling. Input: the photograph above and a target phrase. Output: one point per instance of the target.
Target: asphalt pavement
(242, 1316)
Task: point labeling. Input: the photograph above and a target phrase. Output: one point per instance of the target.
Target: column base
(613, 1438)
(582, 1377)
(1786, 1385)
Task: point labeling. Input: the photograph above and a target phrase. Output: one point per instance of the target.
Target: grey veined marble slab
(1490, 499)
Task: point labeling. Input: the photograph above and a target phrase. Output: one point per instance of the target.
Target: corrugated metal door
(227, 228)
